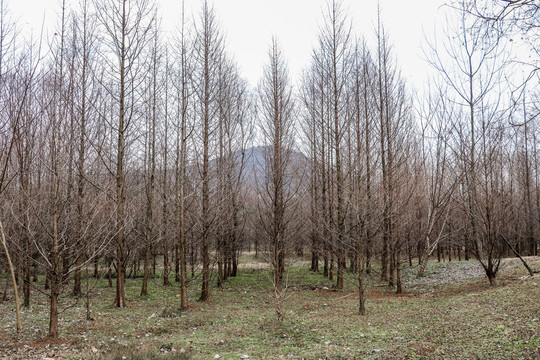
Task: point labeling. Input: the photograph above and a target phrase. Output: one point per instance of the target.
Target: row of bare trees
(122, 147)
(360, 132)
(391, 180)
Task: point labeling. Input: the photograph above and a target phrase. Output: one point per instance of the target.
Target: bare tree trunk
(150, 186)
(181, 149)
(399, 289)
(276, 103)
(176, 262)
(53, 313)
(54, 258)
(55, 275)
(209, 54)
(96, 267)
(120, 176)
(181, 202)
(127, 23)
(87, 297)
(165, 191)
(81, 174)
(14, 281)
(27, 260)
(361, 286)
(386, 207)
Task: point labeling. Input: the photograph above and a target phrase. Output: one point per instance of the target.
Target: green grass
(465, 320)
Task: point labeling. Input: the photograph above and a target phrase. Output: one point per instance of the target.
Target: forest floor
(452, 313)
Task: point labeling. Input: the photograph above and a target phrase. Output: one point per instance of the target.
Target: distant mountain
(254, 169)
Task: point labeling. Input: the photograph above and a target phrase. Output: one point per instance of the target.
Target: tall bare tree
(439, 175)
(183, 91)
(472, 69)
(127, 25)
(207, 55)
(276, 107)
(150, 159)
(335, 52)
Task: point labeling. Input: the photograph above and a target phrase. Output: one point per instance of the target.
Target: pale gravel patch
(455, 272)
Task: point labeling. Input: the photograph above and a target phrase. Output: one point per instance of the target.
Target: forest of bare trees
(128, 151)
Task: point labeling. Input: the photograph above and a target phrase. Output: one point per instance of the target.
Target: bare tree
(394, 136)
(472, 70)
(150, 159)
(183, 91)
(439, 176)
(276, 108)
(208, 52)
(234, 132)
(87, 95)
(19, 81)
(314, 99)
(165, 179)
(127, 25)
(57, 117)
(335, 43)
(362, 194)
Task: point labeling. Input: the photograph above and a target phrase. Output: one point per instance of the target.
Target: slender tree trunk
(13, 278)
(176, 262)
(27, 261)
(109, 273)
(53, 313)
(96, 267)
(77, 276)
(54, 253)
(35, 270)
(399, 289)
(55, 274)
(234, 259)
(206, 118)
(205, 249)
(339, 176)
(87, 297)
(165, 190)
(326, 272)
(150, 189)
(392, 267)
(361, 293)
(82, 151)
(120, 176)
(181, 231)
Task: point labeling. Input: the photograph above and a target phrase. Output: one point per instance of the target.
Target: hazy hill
(255, 165)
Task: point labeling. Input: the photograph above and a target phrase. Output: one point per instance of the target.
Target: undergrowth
(433, 319)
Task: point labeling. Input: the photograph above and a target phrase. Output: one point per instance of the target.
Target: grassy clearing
(434, 319)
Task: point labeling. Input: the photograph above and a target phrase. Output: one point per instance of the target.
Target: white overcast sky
(249, 25)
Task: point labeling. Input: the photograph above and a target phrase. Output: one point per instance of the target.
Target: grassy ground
(450, 314)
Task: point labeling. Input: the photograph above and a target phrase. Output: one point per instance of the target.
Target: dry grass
(435, 319)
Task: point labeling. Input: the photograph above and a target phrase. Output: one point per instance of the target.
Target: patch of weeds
(171, 312)
(157, 331)
(148, 355)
